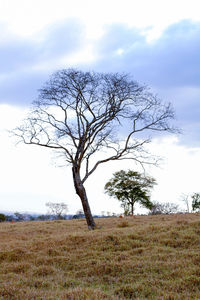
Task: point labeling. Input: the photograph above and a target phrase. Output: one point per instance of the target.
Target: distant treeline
(19, 217)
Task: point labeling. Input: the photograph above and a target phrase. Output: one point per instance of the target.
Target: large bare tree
(81, 114)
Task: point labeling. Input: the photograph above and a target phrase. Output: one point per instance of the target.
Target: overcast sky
(157, 42)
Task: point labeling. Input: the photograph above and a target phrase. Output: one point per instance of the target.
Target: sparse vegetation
(141, 257)
(164, 208)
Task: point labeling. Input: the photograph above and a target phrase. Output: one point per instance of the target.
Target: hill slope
(150, 257)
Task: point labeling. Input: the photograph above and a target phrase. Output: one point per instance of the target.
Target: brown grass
(149, 257)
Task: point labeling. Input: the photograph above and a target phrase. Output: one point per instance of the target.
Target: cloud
(171, 60)
(170, 65)
(26, 63)
(179, 171)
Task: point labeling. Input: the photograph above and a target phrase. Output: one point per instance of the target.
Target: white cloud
(179, 171)
(10, 116)
(20, 16)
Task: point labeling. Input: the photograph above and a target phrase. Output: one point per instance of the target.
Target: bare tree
(57, 209)
(81, 113)
(164, 208)
(19, 216)
(186, 199)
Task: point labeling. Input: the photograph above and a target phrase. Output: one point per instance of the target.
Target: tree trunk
(132, 208)
(80, 190)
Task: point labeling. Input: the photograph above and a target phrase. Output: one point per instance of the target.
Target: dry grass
(150, 257)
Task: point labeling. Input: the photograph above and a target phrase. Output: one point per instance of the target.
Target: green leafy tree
(130, 187)
(2, 218)
(196, 202)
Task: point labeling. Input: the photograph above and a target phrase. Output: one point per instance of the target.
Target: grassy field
(142, 257)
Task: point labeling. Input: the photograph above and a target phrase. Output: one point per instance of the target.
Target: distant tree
(130, 187)
(75, 217)
(28, 217)
(19, 217)
(196, 202)
(43, 217)
(186, 199)
(9, 218)
(31, 218)
(126, 208)
(2, 218)
(80, 213)
(164, 208)
(57, 209)
(103, 213)
(80, 113)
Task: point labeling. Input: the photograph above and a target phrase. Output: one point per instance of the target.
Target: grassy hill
(149, 257)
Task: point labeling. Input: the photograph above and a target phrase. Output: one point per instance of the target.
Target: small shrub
(123, 224)
(84, 294)
(44, 271)
(126, 291)
(18, 268)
